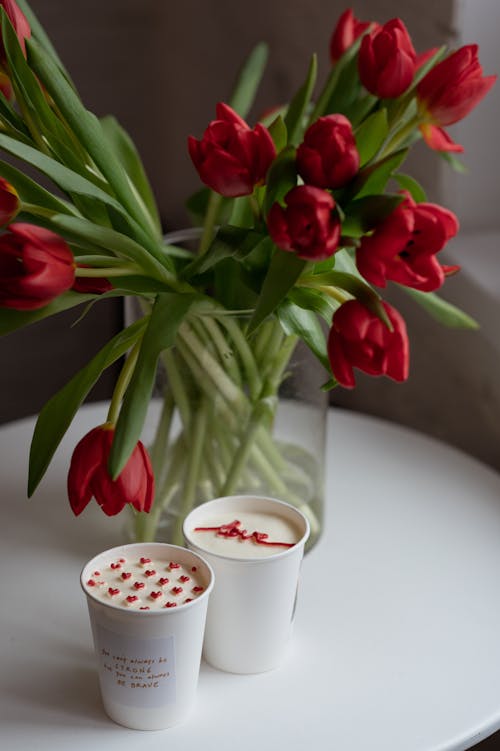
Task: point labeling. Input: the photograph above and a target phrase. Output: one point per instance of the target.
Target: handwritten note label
(137, 672)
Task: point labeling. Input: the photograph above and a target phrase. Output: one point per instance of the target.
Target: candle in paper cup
(255, 546)
(147, 605)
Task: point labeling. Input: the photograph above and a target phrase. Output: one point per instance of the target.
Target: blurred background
(160, 67)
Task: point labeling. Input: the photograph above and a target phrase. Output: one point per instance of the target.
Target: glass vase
(239, 416)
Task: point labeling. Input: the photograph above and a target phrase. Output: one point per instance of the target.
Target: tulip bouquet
(302, 220)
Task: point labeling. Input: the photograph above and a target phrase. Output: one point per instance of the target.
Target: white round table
(397, 634)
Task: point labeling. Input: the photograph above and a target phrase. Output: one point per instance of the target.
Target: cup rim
(251, 560)
(149, 613)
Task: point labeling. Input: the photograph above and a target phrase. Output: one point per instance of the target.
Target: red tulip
(307, 226)
(387, 60)
(347, 30)
(231, 158)
(328, 157)
(9, 202)
(358, 339)
(19, 22)
(403, 247)
(89, 477)
(36, 265)
(91, 285)
(448, 93)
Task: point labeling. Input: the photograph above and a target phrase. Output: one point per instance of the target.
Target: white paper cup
(250, 614)
(148, 660)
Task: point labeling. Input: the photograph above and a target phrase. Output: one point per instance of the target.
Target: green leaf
(284, 270)
(12, 121)
(356, 287)
(311, 299)
(127, 153)
(281, 178)
(371, 134)
(81, 229)
(334, 81)
(304, 324)
(57, 414)
(248, 80)
(374, 179)
(366, 213)
(455, 164)
(86, 127)
(11, 320)
(279, 133)
(197, 205)
(424, 69)
(441, 310)
(168, 313)
(297, 109)
(412, 186)
(30, 192)
(229, 242)
(38, 32)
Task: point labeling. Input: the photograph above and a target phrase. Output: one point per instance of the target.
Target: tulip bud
(89, 477)
(328, 157)
(9, 202)
(347, 30)
(308, 226)
(20, 24)
(359, 339)
(231, 158)
(449, 91)
(36, 266)
(403, 247)
(387, 60)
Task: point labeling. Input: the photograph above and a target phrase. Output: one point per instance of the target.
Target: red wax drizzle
(139, 585)
(126, 575)
(233, 529)
(184, 578)
(163, 581)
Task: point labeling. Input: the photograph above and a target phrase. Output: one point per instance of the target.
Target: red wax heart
(139, 585)
(126, 575)
(163, 581)
(188, 600)
(183, 578)
(145, 607)
(176, 590)
(171, 605)
(145, 560)
(91, 583)
(132, 598)
(172, 565)
(197, 589)
(155, 595)
(116, 565)
(113, 591)
(150, 573)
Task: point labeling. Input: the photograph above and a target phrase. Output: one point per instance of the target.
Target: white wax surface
(276, 527)
(151, 584)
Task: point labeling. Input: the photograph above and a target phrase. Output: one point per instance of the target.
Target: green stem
(123, 382)
(209, 222)
(395, 141)
(247, 357)
(159, 447)
(108, 272)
